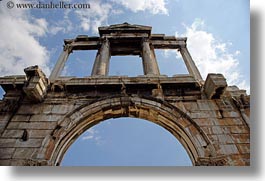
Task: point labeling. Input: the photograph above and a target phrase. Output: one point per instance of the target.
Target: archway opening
(126, 142)
(171, 118)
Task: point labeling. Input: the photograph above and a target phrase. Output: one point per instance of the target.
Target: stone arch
(178, 123)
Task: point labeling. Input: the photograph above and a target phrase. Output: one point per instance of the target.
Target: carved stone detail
(219, 161)
(40, 118)
(37, 84)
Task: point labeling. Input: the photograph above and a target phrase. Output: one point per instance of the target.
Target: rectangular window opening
(128, 65)
(79, 63)
(170, 62)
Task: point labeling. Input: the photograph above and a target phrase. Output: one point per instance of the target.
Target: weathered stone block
(36, 87)
(3, 124)
(214, 86)
(17, 162)
(6, 153)
(191, 106)
(38, 133)
(158, 93)
(192, 130)
(207, 129)
(228, 122)
(32, 125)
(219, 122)
(22, 118)
(7, 143)
(217, 130)
(241, 138)
(239, 160)
(230, 114)
(204, 122)
(201, 140)
(31, 109)
(224, 138)
(4, 118)
(183, 122)
(30, 143)
(207, 105)
(227, 149)
(5, 162)
(238, 129)
(234, 121)
(13, 133)
(45, 117)
(224, 104)
(243, 148)
(205, 114)
(213, 138)
(24, 153)
(234, 91)
(62, 109)
(180, 105)
(77, 115)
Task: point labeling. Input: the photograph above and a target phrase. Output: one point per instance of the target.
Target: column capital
(104, 40)
(68, 48)
(145, 40)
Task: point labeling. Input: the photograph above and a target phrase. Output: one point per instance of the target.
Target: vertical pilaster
(101, 64)
(149, 60)
(193, 70)
(60, 63)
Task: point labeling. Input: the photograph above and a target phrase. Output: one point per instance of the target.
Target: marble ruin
(41, 117)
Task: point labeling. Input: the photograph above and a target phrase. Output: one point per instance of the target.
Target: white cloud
(117, 11)
(20, 48)
(168, 52)
(92, 134)
(65, 25)
(88, 137)
(154, 6)
(89, 134)
(213, 56)
(97, 15)
(94, 17)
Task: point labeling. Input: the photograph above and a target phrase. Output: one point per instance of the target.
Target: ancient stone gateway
(41, 117)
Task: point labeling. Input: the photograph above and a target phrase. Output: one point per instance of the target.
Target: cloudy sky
(218, 40)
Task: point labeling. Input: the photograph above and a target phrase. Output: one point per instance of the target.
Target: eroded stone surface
(39, 118)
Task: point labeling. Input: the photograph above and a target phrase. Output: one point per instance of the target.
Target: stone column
(193, 70)
(101, 64)
(60, 63)
(149, 60)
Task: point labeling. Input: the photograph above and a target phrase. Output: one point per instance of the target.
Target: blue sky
(126, 142)
(218, 40)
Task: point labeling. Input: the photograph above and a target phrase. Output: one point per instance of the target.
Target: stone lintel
(167, 42)
(14, 82)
